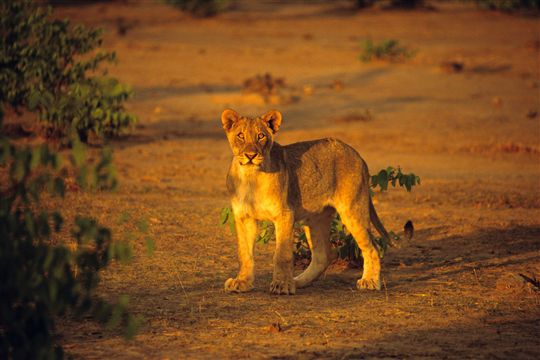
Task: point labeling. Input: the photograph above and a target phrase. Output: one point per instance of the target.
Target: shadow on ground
(496, 340)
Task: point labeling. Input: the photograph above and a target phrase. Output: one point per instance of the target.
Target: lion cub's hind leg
(321, 252)
(356, 219)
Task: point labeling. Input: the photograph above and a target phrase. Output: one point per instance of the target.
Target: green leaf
(117, 311)
(142, 225)
(224, 215)
(382, 179)
(49, 256)
(97, 113)
(374, 181)
(82, 176)
(34, 100)
(132, 325)
(408, 183)
(57, 221)
(53, 290)
(5, 150)
(122, 252)
(78, 153)
(232, 225)
(124, 217)
(36, 157)
(18, 168)
(59, 186)
(150, 245)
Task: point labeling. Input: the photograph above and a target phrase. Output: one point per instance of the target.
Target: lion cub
(306, 181)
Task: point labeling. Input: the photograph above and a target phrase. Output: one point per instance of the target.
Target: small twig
(181, 284)
(327, 341)
(533, 281)
(183, 289)
(281, 317)
(385, 289)
(476, 276)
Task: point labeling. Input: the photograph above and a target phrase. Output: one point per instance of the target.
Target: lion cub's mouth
(246, 161)
(250, 163)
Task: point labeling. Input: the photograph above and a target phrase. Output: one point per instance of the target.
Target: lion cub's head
(250, 139)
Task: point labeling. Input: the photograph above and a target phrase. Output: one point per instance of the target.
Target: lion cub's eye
(261, 136)
(240, 136)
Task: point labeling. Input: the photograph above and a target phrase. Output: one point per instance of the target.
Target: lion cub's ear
(273, 120)
(228, 118)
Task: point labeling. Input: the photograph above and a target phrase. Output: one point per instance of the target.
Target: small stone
(274, 328)
(308, 90)
(531, 114)
(496, 101)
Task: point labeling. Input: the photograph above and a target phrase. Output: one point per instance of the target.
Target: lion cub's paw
(283, 287)
(370, 284)
(237, 285)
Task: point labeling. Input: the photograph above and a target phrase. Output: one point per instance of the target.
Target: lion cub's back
(320, 167)
(326, 153)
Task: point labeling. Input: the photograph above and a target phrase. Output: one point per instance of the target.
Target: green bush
(388, 50)
(339, 235)
(200, 8)
(41, 279)
(50, 66)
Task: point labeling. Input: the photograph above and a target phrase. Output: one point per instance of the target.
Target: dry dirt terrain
(462, 114)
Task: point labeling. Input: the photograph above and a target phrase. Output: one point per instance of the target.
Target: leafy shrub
(50, 66)
(39, 279)
(509, 5)
(41, 70)
(339, 235)
(200, 8)
(389, 50)
(394, 176)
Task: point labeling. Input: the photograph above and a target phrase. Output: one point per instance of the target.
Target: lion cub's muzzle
(251, 158)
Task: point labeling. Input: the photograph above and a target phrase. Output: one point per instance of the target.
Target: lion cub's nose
(250, 155)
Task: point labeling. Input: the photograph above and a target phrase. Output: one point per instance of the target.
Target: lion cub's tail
(409, 230)
(377, 222)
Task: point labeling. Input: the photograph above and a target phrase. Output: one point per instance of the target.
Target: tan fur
(306, 181)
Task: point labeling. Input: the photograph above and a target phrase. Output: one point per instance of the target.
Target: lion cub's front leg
(246, 230)
(282, 280)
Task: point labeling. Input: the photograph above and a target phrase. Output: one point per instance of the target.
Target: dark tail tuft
(409, 230)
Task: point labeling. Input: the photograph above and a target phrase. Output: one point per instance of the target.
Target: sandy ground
(472, 136)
